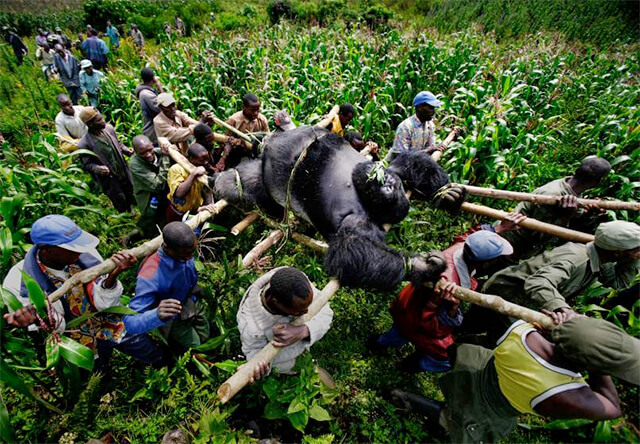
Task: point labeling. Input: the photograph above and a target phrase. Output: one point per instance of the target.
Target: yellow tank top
(525, 378)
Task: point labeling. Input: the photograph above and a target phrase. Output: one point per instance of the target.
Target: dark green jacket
(553, 279)
(148, 179)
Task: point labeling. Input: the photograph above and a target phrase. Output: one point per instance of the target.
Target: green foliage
(587, 20)
(298, 397)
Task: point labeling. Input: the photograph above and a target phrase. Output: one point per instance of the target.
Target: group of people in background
(529, 371)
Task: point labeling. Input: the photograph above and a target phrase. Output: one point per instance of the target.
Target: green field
(532, 107)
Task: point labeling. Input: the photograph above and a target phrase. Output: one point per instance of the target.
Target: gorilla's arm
(420, 173)
(243, 186)
(358, 257)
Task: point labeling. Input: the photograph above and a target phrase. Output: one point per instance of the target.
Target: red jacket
(417, 318)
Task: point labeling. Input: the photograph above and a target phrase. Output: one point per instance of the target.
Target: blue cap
(60, 231)
(486, 245)
(426, 97)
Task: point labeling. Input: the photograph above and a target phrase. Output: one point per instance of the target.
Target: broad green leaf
(211, 344)
(36, 295)
(296, 406)
(274, 410)
(6, 429)
(228, 366)
(118, 309)
(52, 348)
(9, 299)
(319, 413)
(299, 420)
(75, 353)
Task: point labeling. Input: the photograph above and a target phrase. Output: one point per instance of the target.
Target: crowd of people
(521, 368)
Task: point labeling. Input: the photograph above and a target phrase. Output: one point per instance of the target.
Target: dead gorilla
(333, 187)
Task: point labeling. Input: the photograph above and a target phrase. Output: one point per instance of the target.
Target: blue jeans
(418, 361)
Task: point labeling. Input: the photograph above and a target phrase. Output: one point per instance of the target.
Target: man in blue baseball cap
(427, 317)
(62, 249)
(418, 131)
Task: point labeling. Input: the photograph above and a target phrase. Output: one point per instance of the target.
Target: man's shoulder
(236, 118)
(149, 267)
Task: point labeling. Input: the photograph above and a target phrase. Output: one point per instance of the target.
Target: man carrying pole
(265, 315)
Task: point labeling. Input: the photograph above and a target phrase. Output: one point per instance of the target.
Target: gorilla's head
(381, 193)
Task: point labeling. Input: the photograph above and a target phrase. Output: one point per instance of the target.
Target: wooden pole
(244, 223)
(532, 224)
(184, 162)
(450, 138)
(549, 200)
(235, 131)
(274, 237)
(327, 120)
(243, 375)
(143, 250)
(223, 138)
(307, 241)
(501, 306)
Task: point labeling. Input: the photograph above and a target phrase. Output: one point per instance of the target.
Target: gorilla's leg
(358, 257)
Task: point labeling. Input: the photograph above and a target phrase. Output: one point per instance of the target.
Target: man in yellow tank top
(532, 371)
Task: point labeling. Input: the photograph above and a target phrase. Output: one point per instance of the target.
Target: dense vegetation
(531, 110)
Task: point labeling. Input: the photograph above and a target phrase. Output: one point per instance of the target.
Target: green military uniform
(553, 277)
(150, 180)
(527, 243)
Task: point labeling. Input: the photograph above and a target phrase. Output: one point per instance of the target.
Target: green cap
(618, 235)
(599, 345)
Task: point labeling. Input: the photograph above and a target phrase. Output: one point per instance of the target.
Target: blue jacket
(160, 277)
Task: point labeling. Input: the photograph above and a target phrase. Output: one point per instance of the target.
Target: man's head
(59, 49)
(425, 103)
(144, 148)
(40, 31)
(46, 47)
(355, 139)
(346, 113)
(93, 119)
(618, 241)
(483, 248)
(60, 241)
(179, 241)
(289, 292)
(167, 105)
(66, 105)
(108, 23)
(204, 135)
(147, 75)
(592, 170)
(134, 26)
(197, 154)
(251, 106)
(87, 66)
(58, 29)
(93, 33)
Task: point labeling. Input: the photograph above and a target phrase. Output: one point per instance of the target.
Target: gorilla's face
(381, 193)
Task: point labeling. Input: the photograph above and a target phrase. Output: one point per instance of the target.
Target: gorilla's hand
(450, 197)
(427, 268)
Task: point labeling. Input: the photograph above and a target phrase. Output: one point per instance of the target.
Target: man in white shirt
(69, 127)
(266, 311)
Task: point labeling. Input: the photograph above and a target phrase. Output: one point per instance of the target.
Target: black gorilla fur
(333, 188)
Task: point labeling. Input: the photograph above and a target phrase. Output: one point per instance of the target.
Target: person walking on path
(69, 69)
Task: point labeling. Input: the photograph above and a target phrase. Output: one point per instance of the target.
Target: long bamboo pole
(447, 141)
(243, 375)
(223, 138)
(274, 237)
(500, 305)
(307, 241)
(235, 131)
(141, 251)
(184, 163)
(532, 224)
(244, 223)
(549, 200)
